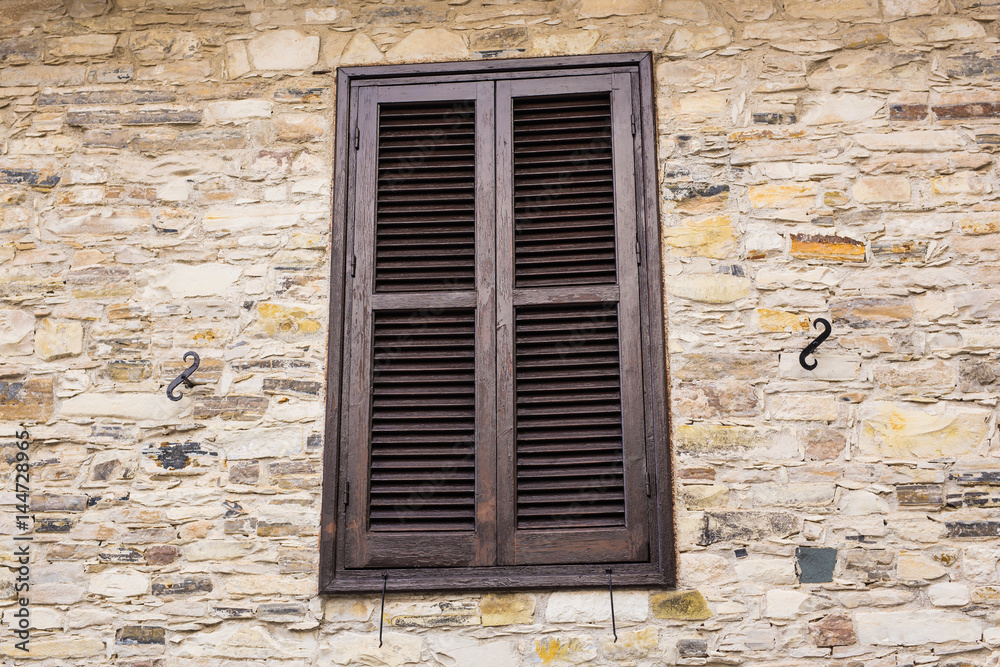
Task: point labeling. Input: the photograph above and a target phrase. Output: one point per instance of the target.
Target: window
(496, 410)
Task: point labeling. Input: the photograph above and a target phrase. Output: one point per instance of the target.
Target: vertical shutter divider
(506, 474)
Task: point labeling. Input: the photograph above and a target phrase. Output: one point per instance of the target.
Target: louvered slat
(425, 199)
(568, 426)
(563, 184)
(423, 421)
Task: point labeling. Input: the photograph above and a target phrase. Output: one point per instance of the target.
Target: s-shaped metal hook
(183, 377)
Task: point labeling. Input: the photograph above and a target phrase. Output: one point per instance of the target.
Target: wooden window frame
(660, 569)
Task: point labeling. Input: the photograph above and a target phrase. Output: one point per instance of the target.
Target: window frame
(660, 569)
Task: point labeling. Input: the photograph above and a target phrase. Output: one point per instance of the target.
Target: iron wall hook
(811, 347)
(183, 377)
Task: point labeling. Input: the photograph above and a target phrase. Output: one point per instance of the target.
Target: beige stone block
(216, 550)
(283, 50)
(566, 42)
(347, 610)
(299, 126)
(89, 45)
(131, 407)
(773, 571)
(793, 495)
(181, 281)
(895, 8)
(456, 650)
(43, 75)
(699, 38)
(17, 329)
(587, 606)
(564, 649)
(57, 339)
(709, 237)
(357, 648)
(237, 110)
(704, 496)
(917, 628)
(690, 10)
(361, 50)
(810, 407)
(237, 60)
(59, 647)
(935, 29)
(864, 69)
(961, 183)
(112, 583)
(498, 609)
(432, 614)
(898, 431)
(915, 141)
(429, 44)
(882, 189)
(735, 442)
(840, 10)
(269, 584)
(709, 287)
(841, 108)
(597, 9)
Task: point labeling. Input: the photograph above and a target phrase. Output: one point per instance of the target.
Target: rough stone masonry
(165, 181)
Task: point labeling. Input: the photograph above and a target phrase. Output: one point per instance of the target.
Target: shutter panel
(570, 418)
(422, 392)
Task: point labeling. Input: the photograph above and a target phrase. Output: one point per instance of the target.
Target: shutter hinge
(649, 484)
(354, 265)
(347, 492)
(638, 250)
(357, 136)
(633, 125)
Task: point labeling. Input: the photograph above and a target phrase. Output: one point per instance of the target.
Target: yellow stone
(815, 246)
(54, 339)
(634, 642)
(574, 650)
(507, 608)
(287, 320)
(704, 496)
(710, 237)
(681, 606)
(979, 223)
(895, 431)
(793, 195)
(779, 320)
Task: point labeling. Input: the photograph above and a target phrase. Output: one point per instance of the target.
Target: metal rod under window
(611, 594)
(381, 614)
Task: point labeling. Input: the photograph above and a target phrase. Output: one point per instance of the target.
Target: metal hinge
(633, 125)
(649, 484)
(357, 137)
(638, 250)
(347, 493)
(354, 265)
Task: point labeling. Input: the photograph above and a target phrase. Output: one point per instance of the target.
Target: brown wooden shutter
(572, 465)
(421, 427)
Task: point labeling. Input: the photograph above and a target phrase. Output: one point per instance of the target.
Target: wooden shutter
(572, 466)
(421, 455)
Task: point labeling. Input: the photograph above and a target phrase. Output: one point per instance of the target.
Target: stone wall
(165, 185)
